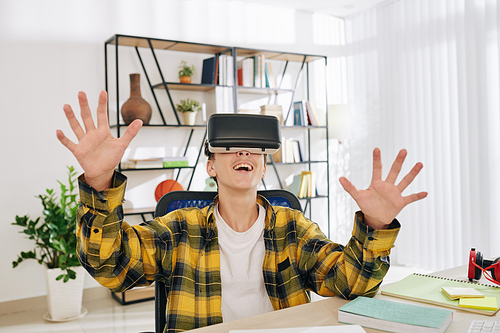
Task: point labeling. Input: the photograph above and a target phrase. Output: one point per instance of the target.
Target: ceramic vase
(136, 107)
(189, 118)
(64, 299)
(185, 79)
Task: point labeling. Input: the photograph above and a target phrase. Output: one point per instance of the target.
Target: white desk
(325, 313)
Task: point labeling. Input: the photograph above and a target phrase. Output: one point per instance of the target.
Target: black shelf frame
(141, 44)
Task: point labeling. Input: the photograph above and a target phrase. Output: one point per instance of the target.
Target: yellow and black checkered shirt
(181, 249)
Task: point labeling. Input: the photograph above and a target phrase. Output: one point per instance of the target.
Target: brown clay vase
(185, 79)
(136, 107)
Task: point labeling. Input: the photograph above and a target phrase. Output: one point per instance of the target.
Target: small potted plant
(55, 248)
(185, 72)
(189, 107)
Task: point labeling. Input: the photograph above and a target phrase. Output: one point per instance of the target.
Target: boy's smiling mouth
(243, 167)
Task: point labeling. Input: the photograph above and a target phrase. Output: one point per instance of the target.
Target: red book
(240, 76)
(216, 80)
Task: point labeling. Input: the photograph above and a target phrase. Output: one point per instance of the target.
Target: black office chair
(182, 199)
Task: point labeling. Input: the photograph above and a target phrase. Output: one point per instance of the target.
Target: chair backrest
(182, 199)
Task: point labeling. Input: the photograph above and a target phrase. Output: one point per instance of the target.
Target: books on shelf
(274, 110)
(304, 185)
(157, 163)
(270, 83)
(246, 72)
(304, 114)
(394, 316)
(254, 71)
(428, 289)
(208, 70)
(290, 151)
(218, 70)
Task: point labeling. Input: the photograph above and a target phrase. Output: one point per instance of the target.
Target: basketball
(166, 186)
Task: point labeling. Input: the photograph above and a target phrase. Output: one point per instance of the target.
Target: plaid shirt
(181, 249)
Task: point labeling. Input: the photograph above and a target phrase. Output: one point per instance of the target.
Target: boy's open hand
(382, 201)
(97, 151)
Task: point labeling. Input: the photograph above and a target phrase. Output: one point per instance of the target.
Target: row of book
(251, 72)
(289, 152)
(218, 70)
(304, 114)
(304, 185)
(255, 72)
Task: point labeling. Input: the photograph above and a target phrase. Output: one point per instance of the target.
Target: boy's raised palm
(97, 151)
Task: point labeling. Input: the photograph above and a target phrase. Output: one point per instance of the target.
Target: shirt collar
(270, 214)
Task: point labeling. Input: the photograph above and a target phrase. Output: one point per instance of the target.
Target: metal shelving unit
(154, 45)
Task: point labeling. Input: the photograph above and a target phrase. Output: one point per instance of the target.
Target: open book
(427, 289)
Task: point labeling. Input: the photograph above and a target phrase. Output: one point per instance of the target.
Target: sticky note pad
(485, 303)
(456, 292)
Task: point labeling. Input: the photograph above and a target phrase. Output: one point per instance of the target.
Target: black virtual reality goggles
(233, 132)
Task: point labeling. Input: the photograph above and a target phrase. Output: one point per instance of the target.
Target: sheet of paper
(316, 329)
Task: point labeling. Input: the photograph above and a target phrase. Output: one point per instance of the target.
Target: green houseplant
(189, 107)
(55, 248)
(185, 72)
(55, 236)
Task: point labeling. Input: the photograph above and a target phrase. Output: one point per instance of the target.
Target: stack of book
(156, 163)
(304, 185)
(304, 114)
(274, 110)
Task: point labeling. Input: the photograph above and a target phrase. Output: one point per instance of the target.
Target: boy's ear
(210, 169)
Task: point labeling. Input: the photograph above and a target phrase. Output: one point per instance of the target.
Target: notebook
(395, 316)
(427, 289)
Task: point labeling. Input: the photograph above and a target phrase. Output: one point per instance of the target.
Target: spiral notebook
(427, 289)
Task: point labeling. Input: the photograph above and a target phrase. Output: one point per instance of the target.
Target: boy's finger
(396, 166)
(73, 122)
(86, 115)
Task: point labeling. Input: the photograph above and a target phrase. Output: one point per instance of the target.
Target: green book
(428, 289)
(394, 316)
(175, 164)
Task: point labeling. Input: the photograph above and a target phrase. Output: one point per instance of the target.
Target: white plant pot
(189, 118)
(64, 300)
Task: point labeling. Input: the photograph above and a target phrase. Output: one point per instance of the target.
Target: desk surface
(325, 313)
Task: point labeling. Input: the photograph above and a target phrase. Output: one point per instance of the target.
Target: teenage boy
(238, 257)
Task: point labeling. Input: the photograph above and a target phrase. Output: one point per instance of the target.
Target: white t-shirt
(241, 258)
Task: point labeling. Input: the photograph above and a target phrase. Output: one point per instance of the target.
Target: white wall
(50, 50)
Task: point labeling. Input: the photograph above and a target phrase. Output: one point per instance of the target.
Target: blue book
(208, 71)
(394, 316)
(298, 114)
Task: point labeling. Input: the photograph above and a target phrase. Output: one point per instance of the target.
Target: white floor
(108, 316)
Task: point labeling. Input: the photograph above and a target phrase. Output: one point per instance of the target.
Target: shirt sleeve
(117, 255)
(356, 269)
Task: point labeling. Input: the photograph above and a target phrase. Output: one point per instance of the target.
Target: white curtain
(424, 75)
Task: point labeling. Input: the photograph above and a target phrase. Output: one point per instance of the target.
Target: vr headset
(478, 265)
(233, 132)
